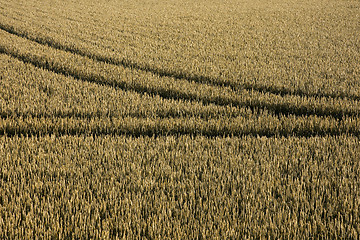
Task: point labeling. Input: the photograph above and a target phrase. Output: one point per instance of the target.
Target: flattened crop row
(87, 69)
(26, 90)
(108, 56)
(285, 126)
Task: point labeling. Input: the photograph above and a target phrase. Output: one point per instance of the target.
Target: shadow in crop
(278, 108)
(168, 73)
(38, 127)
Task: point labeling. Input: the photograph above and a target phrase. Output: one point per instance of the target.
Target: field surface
(235, 119)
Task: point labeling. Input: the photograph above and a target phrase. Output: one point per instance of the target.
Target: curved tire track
(280, 108)
(166, 73)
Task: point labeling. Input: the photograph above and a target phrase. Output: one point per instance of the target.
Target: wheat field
(236, 119)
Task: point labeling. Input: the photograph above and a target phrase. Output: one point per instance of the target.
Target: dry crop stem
(179, 119)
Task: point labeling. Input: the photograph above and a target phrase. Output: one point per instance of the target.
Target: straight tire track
(144, 127)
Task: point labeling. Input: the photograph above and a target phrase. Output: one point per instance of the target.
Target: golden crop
(179, 119)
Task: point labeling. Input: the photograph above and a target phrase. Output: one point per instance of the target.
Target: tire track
(94, 115)
(172, 74)
(279, 108)
(153, 128)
